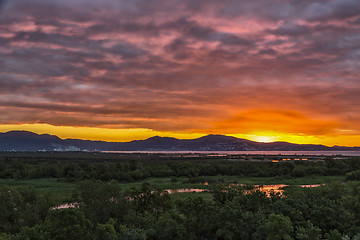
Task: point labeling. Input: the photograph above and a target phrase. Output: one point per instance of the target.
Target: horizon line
(205, 135)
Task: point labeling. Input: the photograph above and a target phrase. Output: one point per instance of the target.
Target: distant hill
(28, 141)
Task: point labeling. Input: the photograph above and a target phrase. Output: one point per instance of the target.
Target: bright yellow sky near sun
(91, 133)
(340, 140)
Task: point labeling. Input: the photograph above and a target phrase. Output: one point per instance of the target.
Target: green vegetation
(354, 175)
(124, 198)
(61, 190)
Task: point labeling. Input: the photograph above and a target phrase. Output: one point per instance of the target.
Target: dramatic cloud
(233, 67)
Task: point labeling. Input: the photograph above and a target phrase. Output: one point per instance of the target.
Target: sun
(264, 139)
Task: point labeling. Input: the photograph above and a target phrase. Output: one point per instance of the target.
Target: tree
(145, 199)
(33, 233)
(130, 234)
(279, 227)
(21, 206)
(354, 175)
(105, 232)
(68, 224)
(4, 236)
(333, 235)
(101, 201)
(309, 232)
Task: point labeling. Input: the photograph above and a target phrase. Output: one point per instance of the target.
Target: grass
(278, 180)
(165, 183)
(59, 191)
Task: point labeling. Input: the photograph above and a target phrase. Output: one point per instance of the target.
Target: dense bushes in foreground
(107, 212)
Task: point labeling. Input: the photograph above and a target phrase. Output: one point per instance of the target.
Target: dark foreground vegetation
(115, 198)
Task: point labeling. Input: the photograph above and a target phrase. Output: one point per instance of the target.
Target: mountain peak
(20, 133)
(155, 137)
(159, 138)
(218, 137)
(28, 134)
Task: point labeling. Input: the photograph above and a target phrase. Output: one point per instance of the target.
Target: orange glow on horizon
(121, 135)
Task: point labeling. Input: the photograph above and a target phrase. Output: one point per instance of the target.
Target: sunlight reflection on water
(268, 189)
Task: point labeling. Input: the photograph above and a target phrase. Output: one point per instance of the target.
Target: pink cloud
(158, 65)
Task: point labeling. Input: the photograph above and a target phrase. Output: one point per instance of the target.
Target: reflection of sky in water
(268, 189)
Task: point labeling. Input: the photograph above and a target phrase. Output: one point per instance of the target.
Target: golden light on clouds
(125, 70)
(281, 121)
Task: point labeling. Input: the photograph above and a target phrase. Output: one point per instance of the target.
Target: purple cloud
(157, 64)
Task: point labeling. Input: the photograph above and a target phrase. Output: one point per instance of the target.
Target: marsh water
(275, 188)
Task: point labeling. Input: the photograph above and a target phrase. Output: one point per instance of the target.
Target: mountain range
(29, 141)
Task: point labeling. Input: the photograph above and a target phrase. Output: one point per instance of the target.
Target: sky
(118, 70)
